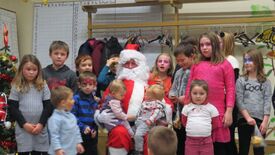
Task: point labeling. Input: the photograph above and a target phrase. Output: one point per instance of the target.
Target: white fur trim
(117, 151)
(136, 98)
(127, 54)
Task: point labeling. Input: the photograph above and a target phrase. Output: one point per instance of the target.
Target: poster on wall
(8, 18)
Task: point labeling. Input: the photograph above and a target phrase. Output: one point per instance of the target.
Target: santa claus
(134, 71)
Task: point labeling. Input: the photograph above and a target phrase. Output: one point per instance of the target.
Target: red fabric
(119, 138)
(129, 89)
(145, 145)
(132, 47)
(215, 122)
(184, 120)
(96, 55)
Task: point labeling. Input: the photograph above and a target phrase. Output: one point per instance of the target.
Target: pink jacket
(220, 79)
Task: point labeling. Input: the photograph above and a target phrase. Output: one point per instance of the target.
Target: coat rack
(176, 4)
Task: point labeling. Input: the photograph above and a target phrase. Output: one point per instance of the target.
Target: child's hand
(263, 127)
(131, 117)
(111, 60)
(97, 99)
(37, 129)
(59, 152)
(93, 133)
(181, 99)
(174, 99)
(148, 122)
(251, 121)
(79, 148)
(87, 130)
(29, 127)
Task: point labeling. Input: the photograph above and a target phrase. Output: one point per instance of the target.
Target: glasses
(247, 60)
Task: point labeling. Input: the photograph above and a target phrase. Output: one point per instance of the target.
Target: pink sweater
(220, 79)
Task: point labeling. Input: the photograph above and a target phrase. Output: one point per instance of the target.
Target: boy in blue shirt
(84, 109)
(65, 134)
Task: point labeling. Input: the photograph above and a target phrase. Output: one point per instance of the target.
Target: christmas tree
(7, 72)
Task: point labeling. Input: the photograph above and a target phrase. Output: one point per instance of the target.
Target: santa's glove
(105, 117)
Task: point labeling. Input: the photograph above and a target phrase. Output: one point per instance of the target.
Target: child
(108, 73)
(151, 112)
(65, 134)
(162, 141)
(162, 71)
(30, 106)
(218, 73)
(84, 109)
(185, 55)
(58, 73)
(228, 45)
(197, 117)
(83, 63)
(253, 100)
(117, 92)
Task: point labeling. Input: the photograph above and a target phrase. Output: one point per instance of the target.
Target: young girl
(219, 75)
(162, 73)
(198, 117)
(228, 47)
(185, 55)
(253, 100)
(30, 106)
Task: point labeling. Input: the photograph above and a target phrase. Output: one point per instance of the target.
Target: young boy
(84, 109)
(83, 63)
(58, 73)
(65, 134)
(162, 141)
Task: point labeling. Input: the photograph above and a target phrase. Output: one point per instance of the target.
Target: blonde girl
(253, 100)
(162, 73)
(219, 75)
(30, 106)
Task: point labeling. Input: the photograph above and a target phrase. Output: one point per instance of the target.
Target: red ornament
(13, 58)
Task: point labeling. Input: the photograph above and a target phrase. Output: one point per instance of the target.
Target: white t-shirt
(199, 118)
(233, 61)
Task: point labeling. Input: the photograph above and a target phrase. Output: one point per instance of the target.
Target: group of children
(202, 93)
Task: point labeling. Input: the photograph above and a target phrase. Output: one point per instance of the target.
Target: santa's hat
(131, 52)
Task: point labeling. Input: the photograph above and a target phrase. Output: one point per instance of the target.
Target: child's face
(163, 63)
(205, 47)
(86, 65)
(68, 103)
(87, 85)
(119, 95)
(58, 57)
(184, 61)
(249, 64)
(198, 95)
(30, 71)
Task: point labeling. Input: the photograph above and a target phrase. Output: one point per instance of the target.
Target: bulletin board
(9, 18)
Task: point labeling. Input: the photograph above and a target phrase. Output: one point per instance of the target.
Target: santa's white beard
(140, 73)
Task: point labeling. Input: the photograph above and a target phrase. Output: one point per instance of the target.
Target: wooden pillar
(177, 28)
(90, 25)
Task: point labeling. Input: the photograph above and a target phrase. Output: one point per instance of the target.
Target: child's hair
(156, 91)
(188, 50)
(201, 83)
(258, 61)
(162, 141)
(81, 58)
(116, 86)
(189, 40)
(155, 70)
(86, 74)
(20, 82)
(60, 93)
(59, 45)
(216, 56)
(228, 43)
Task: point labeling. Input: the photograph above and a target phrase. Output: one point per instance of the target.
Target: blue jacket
(84, 109)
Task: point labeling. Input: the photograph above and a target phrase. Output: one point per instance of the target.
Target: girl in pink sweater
(218, 73)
